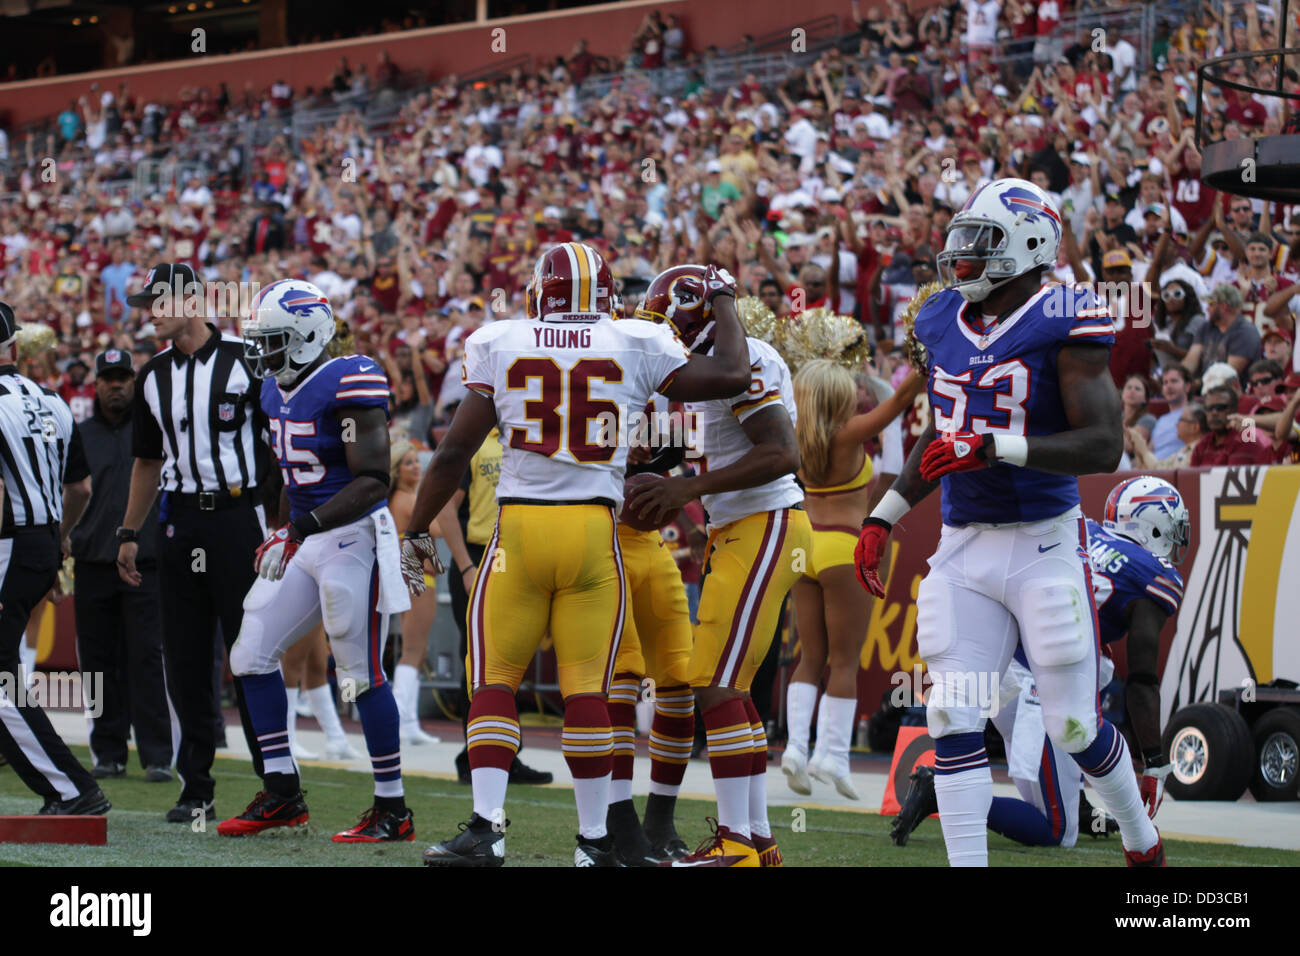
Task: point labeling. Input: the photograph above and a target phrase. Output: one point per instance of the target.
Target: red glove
(1152, 787)
(274, 554)
(718, 282)
(868, 553)
(954, 452)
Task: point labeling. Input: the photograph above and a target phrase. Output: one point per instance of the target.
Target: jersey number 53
(968, 399)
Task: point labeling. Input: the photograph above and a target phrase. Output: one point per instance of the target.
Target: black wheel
(1277, 755)
(1211, 751)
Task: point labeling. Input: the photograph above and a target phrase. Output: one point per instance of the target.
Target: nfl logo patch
(226, 412)
(171, 531)
(112, 355)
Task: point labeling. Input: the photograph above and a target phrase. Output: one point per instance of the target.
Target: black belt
(603, 502)
(32, 529)
(213, 500)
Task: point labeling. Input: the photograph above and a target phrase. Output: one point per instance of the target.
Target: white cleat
(413, 734)
(795, 768)
(340, 749)
(302, 753)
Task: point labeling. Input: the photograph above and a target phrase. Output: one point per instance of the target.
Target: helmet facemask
(279, 354)
(972, 261)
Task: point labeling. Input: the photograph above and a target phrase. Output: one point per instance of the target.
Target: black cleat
(520, 772)
(479, 843)
(597, 852)
(157, 774)
(106, 769)
(187, 811)
(919, 804)
(630, 842)
(93, 803)
(380, 826)
(1095, 821)
(665, 844)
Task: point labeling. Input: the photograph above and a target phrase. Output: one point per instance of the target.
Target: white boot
(830, 764)
(799, 699)
(406, 691)
(298, 750)
(321, 702)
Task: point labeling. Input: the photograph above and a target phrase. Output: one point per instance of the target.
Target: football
(629, 517)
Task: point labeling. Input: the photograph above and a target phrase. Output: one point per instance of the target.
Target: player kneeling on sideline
(1144, 533)
(337, 560)
(1023, 403)
(554, 561)
(757, 533)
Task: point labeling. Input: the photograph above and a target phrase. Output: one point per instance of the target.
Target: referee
(46, 488)
(197, 430)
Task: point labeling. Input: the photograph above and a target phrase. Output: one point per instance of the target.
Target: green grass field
(543, 824)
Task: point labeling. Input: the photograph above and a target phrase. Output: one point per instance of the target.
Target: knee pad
(247, 656)
(1056, 624)
(1071, 732)
(337, 608)
(260, 594)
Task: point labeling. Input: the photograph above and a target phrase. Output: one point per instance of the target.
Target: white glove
(416, 549)
(274, 554)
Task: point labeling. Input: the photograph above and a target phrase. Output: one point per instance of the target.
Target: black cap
(114, 359)
(8, 324)
(165, 273)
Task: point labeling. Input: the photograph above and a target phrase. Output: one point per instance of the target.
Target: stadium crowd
(832, 188)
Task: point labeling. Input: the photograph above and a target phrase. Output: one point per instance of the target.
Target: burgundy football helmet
(572, 277)
(676, 296)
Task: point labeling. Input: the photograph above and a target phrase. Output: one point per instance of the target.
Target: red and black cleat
(380, 826)
(267, 812)
(1152, 857)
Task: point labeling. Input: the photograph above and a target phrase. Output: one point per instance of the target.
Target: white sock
(489, 785)
(758, 824)
(620, 790)
(965, 799)
(665, 789)
(800, 699)
(292, 726)
(592, 796)
(733, 803)
(26, 658)
(1119, 791)
(835, 727)
(405, 680)
(322, 708)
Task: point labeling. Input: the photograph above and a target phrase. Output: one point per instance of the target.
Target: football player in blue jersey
(336, 561)
(1023, 403)
(1143, 535)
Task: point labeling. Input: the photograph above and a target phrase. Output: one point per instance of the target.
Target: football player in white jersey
(558, 382)
(1023, 403)
(759, 545)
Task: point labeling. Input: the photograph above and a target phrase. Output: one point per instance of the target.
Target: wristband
(466, 568)
(891, 509)
(307, 524)
(1011, 449)
(1155, 757)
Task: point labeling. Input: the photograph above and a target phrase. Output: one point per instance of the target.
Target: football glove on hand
(1152, 786)
(718, 282)
(416, 549)
(868, 553)
(954, 452)
(274, 554)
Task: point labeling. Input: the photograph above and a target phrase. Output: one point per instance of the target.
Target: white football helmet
(1150, 511)
(1006, 228)
(288, 326)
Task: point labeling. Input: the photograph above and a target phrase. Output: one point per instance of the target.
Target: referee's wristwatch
(128, 535)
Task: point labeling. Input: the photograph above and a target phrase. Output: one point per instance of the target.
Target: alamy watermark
(70, 690)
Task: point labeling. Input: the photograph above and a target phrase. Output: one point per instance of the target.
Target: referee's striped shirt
(40, 450)
(202, 415)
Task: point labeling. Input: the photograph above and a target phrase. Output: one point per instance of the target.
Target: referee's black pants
(460, 608)
(205, 567)
(119, 636)
(29, 564)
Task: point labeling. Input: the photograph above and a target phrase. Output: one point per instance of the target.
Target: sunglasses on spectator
(1172, 293)
(1267, 380)
(1218, 408)
(1245, 208)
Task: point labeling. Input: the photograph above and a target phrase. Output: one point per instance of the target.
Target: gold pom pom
(821, 334)
(343, 343)
(759, 321)
(912, 347)
(33, 339)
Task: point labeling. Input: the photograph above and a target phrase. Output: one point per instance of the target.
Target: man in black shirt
(119, 629)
